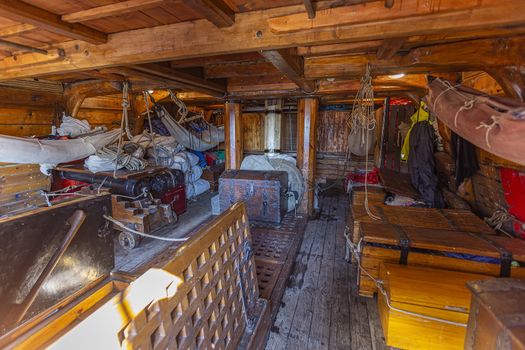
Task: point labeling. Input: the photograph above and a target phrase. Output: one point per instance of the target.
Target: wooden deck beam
(291, 65)
(255, 31)
(28, 14)
(216, 11)
(310, 8)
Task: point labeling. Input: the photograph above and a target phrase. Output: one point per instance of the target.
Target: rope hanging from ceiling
(362, 122)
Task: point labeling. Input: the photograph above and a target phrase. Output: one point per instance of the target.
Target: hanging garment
(466, 159)
(494, 124)
(420, 116)
(421, 165)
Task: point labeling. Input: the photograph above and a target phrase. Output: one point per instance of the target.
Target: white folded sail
(34, 151)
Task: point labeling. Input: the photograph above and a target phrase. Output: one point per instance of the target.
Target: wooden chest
(425, 293)
(497, 315)
(264, 193)
(450, 250)
(212, 174)
(445, 219)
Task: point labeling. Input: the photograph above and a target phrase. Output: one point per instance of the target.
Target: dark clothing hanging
(421, 164)
(466, 159)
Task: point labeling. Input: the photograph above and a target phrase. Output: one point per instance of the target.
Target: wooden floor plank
(359, 324)
(318, 310)
(319, 336)
(376, 333)
(283, 321)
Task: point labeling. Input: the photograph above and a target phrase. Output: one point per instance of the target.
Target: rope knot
(469, 104)
(495, 122)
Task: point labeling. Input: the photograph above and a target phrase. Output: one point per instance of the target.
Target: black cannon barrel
(126, 187)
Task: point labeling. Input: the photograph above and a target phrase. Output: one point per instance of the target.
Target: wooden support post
(233, 142)
(307, 110)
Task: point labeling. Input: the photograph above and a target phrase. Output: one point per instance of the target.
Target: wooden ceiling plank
(390, 48)
(362, 13)
(204, 39)
(216, 11)
(243, 69)
(25, 13)
(310, 9)
(291, 65)
(115, 9)
(16, 29)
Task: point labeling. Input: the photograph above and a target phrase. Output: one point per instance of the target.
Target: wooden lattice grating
(206, 311)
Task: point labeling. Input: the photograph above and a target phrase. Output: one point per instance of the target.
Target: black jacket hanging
(466, 159)
(421, 164)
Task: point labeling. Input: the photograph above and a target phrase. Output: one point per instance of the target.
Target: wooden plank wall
(253, 131)
(332, 143)
(102, 110)
(26, 113)
(332, 139)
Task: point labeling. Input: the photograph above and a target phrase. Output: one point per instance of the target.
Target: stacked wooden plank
(21, 187)
(424, 308)
(451, 250)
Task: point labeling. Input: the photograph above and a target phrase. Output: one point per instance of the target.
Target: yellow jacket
(419, 116)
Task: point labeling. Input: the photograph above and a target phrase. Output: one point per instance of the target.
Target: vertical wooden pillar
(307, 110)
(233, 135)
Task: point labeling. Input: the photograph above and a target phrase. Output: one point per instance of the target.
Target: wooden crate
(433, 248)
(427, 292)
(21, 187)
(497, 315)
(203, 295)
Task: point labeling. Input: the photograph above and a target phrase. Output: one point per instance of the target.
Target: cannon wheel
(128, 240)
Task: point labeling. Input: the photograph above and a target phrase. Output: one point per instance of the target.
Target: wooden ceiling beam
(291, 65)
(16, 29)
(217, 12)
(460, 56)
(390, 48)
(310, 8)
(363, 13)
(334, 49)
(20, 11)
(252, 32)
(116, 9)
(197, 84)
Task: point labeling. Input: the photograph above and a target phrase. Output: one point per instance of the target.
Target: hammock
(206, 140)
(494, 124)
(34, 151)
